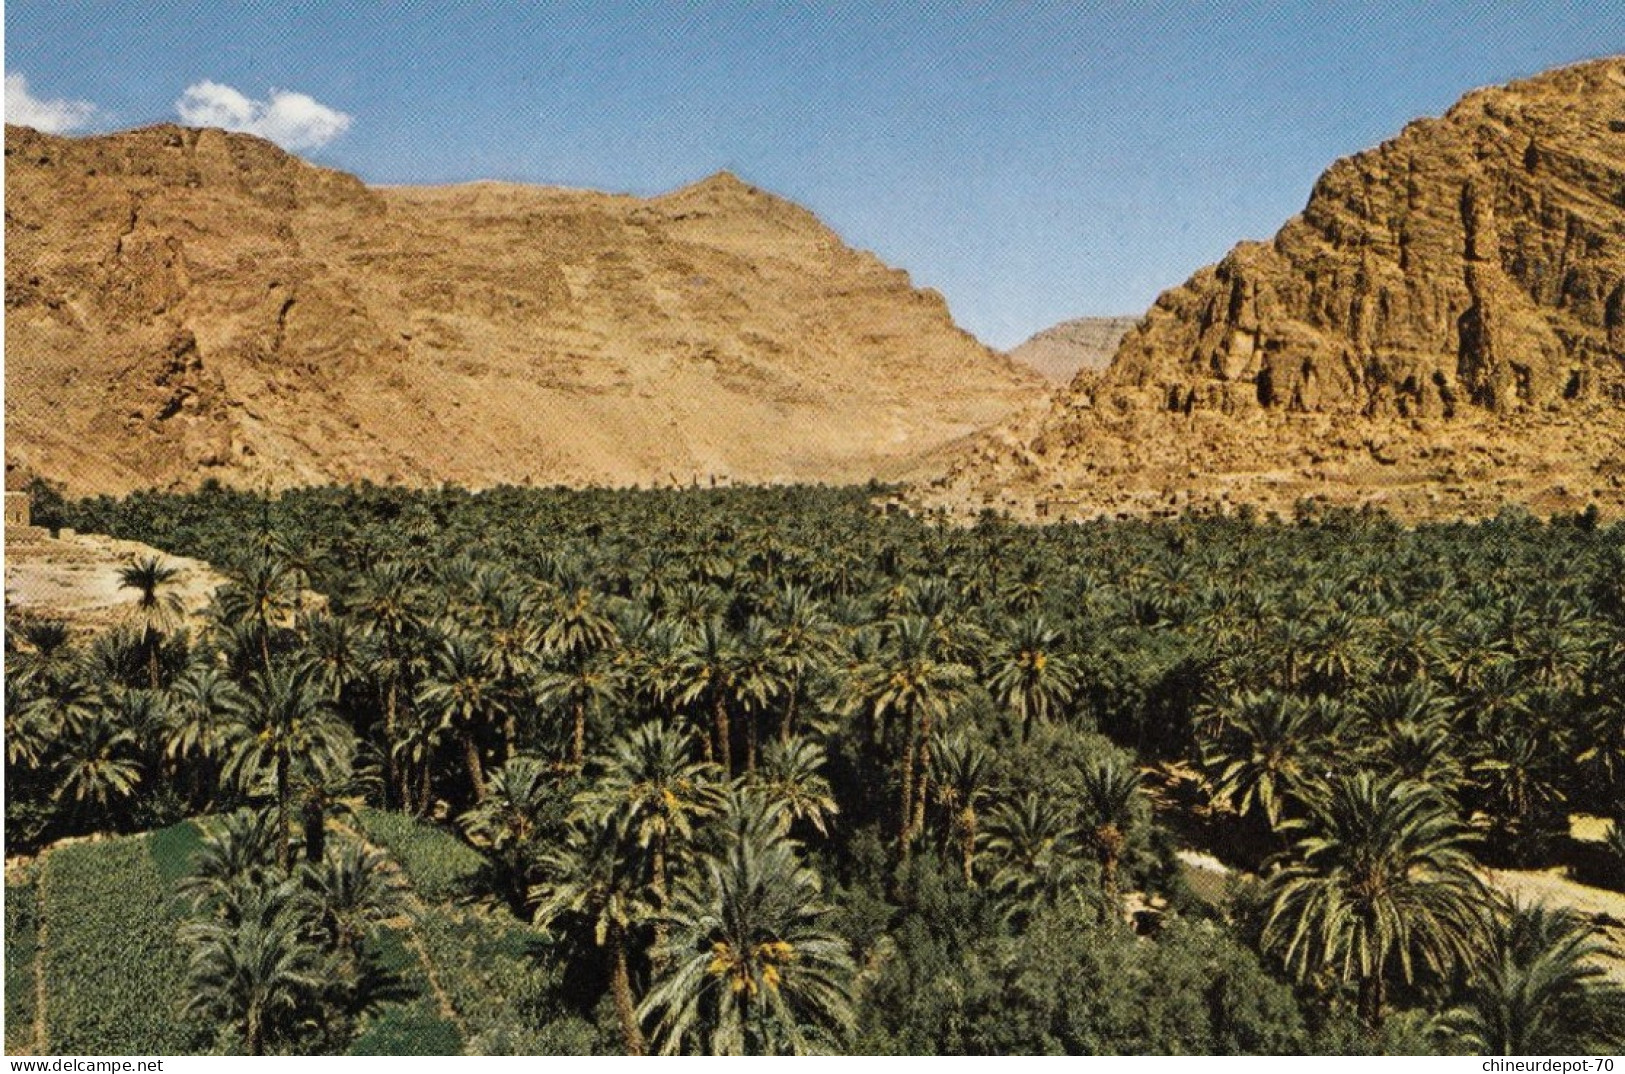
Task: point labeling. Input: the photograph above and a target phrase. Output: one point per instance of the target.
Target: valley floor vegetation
(774, 770)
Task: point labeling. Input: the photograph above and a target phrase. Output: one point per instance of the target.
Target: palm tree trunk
(787, 724)
(922, 782)
(578, 740)
(152, 657)
(723, 732)
(1108, 887)
(425, 786)
(390, 766)
(658, 882)
(906, 803)
(621, 985)
(253, 1032)
(315, 823)
(265, 643)
(476, 772)
(967, 843)
(750, 741)
(282, 845)
(1372, 994)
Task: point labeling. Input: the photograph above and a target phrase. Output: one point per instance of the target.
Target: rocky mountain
(1441, 331)
(1059, 353)
(185, 304)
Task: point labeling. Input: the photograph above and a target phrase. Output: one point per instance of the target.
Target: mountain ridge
(187, 304)
(1440, 332)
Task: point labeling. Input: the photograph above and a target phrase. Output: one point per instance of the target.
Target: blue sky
(1032, 161)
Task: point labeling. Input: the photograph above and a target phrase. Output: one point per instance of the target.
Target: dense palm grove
(774, 770)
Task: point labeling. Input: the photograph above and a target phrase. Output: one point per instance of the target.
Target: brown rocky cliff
(1451, 296)
(1474, 258)
(186, 304)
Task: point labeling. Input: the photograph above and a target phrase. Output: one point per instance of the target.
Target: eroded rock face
(185, 304)
(1463, 281)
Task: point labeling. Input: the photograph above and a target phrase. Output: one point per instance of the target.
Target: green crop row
(114, 972)
(22, 946)
(440, 866)
(485, 967)
(409, 1029)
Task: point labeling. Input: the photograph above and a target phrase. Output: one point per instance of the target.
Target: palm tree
(792, 774)
(157, 607)
(259, 971)
(465, 694)
(761, 678)
(261, 594)
(237, 852)
(1538, 987)
(577, 633)
(804, 637)
(1382, 880)
(1268, 751)
(389, 604)
(99, 765)
(652, 791)
(1032, 846)
(204, 704)
(1109, 793)
(589, 881)
(579, 686)
(706, 671)
(908, 684)
(507, 824)
(1029, 678)
(287, 725)
(351, 889)
(749, 966)
(961, 771)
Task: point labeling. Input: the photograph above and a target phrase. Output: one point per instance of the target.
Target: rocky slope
(1441, 331)
(185, 304)
(1059, 353)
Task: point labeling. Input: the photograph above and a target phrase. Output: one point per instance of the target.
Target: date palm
(1030, 677)
(507, 825)
(287, 728)
(1269, 750)
(909, 686)
(204, 704)
(578, 629)
(707, 672)
(259, 595)
(1541, 986)
(750, 967)
(961, 770)
(157, 606)
(1033, 848)
(804, 636)
(1381, 882)
(99, 765)
(792, 775)
(237, 852)
(349, 892)
(464, 692)
(1109, 804)
(258, 972)
(589, 881)
(653, 791)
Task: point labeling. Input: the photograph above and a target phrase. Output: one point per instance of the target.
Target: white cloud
(291, 120)
(52, 117)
